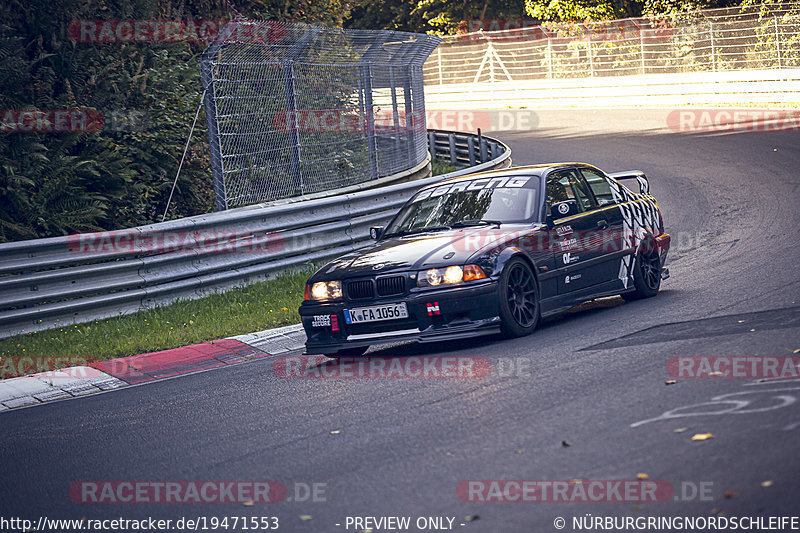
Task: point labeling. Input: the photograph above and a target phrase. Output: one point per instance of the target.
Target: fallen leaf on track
(766, 483)
(305, 517)
(702, 436)
(336, 431)
(681, 430)
(642, 475)
(248, 503)
(566, 443)
(471, 518)
(670, 382)
(729, 494)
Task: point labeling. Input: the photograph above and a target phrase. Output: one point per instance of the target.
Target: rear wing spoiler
(638, 175)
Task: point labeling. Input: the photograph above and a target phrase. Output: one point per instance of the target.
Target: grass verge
(262, 305)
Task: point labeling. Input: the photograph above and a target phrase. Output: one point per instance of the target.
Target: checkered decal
(640, 216)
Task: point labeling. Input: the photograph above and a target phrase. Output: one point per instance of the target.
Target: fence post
(641, 45)
(210, 104)
(713, 52)
(395, 112)
(777, 41)
(452, 139)
(370, 112)
(413, 121)
(291, 123)
(490, 54)
(439, 56)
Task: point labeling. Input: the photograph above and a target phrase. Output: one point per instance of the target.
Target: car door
(616, 241)
(576, 240)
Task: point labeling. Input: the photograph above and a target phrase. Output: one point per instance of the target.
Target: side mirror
(375, 232)
(563, 209)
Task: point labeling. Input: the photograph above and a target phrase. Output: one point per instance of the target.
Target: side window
(567, 185)
(600, 187)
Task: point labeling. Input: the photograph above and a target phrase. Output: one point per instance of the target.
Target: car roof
(527, 170)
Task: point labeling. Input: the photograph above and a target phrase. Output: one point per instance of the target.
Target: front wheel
(519, 299)
(646, 274)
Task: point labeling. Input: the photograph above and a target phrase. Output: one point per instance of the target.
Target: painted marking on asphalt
(178, 361)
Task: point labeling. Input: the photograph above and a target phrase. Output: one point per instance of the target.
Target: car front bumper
(433, 315)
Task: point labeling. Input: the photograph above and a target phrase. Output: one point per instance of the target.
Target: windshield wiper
(418, 230)
(477, 222)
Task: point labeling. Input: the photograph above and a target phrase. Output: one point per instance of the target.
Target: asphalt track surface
(731, 204)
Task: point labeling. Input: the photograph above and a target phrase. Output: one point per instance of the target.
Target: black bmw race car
(490, 253)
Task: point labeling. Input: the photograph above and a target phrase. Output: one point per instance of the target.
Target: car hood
(415, 252)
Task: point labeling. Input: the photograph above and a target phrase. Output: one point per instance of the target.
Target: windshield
(468, 203)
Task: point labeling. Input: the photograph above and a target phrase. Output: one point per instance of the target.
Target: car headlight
(324, 290)
(449, 275)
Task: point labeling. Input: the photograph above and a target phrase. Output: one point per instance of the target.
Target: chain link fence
(294, 109)
(764, 36)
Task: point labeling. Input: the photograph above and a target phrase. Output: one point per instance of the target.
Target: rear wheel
(646, 273)
(519, 299)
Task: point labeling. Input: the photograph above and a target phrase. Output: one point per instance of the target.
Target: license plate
(375, 313)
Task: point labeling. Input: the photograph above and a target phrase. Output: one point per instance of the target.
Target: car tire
(646, 273)
(349, 352)
(519, 299)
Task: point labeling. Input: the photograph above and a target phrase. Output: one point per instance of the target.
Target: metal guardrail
(47, 283)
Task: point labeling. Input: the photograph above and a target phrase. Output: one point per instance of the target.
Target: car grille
(391, 285)
(359, 289)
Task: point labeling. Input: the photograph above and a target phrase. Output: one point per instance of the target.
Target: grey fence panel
(295, 109)
(52, 282)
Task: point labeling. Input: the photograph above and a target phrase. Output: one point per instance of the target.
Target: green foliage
(58, 183)
(259, 306)
(595, 10)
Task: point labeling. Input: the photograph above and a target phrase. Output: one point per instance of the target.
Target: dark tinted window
(462, 201)
(600, 187)
(567, 185)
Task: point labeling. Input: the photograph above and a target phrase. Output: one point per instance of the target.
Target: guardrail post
(471, 150)
(484, 151)
(495, 149)
(452, 139)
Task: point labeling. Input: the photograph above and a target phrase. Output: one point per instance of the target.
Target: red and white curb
(77, 381)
